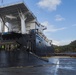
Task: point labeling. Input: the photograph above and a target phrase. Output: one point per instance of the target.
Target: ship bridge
(16, 17)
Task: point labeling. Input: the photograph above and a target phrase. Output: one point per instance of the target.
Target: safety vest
(2, 46)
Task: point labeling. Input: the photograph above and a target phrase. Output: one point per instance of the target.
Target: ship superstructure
(19, 28)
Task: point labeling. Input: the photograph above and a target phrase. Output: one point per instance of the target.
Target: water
(34, 66)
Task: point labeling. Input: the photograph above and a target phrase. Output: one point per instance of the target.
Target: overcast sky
(58, 15)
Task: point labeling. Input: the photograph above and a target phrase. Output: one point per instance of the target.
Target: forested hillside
(66, 48)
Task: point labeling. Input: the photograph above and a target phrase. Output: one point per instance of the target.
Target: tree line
(66, 48)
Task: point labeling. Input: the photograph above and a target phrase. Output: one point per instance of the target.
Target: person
(11, 47)
(2, 47)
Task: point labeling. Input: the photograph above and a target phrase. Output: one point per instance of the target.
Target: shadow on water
(18, 58)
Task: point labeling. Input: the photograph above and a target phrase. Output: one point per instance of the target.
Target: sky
(59, 16)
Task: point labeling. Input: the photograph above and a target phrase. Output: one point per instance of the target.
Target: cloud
(49, 4)
(55, 42)
(61, 42)
(51, 28)
(59, 18)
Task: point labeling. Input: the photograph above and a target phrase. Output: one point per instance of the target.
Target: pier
(64, 54)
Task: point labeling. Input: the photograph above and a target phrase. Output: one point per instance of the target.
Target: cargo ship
(20, 31)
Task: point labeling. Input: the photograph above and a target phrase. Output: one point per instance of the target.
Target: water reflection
(57, 66)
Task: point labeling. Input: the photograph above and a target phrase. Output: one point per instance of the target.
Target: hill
(66, 48)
